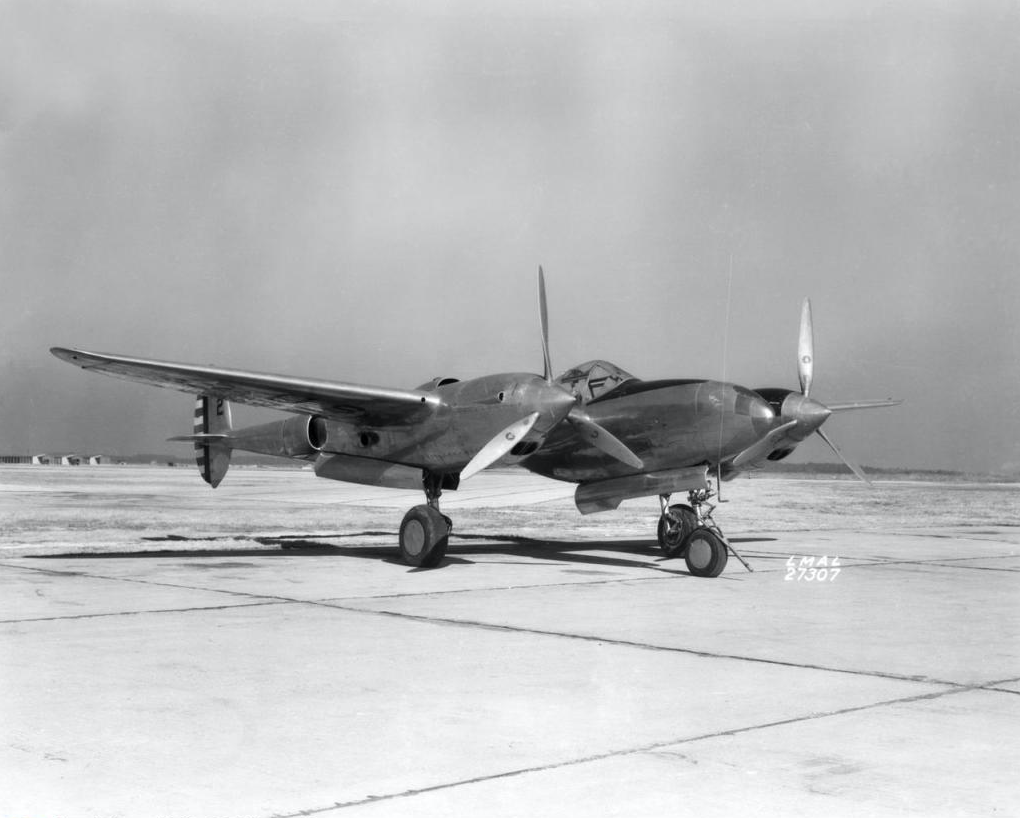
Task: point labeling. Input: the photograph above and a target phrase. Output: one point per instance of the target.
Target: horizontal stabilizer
(200, 438)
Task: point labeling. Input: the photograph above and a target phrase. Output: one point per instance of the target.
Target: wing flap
(372, 405)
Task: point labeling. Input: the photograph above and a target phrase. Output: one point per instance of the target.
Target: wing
(372, 405)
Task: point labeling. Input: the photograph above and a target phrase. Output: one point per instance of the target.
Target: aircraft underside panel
(368, 471)
(606, 495)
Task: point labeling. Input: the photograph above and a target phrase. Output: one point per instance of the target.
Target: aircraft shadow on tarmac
(459, 550)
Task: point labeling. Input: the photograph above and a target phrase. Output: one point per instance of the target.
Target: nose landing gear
(689, 531)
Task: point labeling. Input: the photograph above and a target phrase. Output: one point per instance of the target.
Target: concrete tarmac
(565, 674)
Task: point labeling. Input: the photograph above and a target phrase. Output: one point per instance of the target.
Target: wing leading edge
(371, 405)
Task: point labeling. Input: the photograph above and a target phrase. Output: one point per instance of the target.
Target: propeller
(806, 349)
(799, 414)
(763, 447)
(551, 399)
(852, 466)
(601, 438)
(543, 312)
(598, 436)
(499, 446)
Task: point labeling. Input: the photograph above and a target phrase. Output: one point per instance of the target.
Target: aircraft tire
(424, 535)
(705, 552)
(673, 543)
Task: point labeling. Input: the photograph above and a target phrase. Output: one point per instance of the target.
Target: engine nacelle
(301, 436)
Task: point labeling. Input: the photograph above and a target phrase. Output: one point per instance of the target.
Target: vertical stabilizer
(212, 417)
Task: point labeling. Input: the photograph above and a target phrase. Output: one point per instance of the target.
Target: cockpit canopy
(593, 379)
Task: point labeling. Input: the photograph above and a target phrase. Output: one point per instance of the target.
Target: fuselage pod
(668, 424)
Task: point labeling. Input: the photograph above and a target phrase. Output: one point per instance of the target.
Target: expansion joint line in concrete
(108, 614)
(84, 575)
(941, 562)
(271, 599)
(468, 623)
(260, 600)
(256, 600)
(646, 748)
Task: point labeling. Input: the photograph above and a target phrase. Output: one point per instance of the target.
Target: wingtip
(78, 357)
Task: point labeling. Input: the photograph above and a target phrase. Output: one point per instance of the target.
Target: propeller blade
(763, 447)
(854, 468)
(862, 404)
(806, 349)
(602, 438)
(544, 314)
(499, 446)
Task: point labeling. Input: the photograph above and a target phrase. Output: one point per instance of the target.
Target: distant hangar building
(53, 459)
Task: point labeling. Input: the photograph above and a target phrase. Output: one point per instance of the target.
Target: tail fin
(212, 417)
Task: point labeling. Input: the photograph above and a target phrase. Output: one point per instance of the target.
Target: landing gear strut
(675, 524)
(689, 531)
(425, 531)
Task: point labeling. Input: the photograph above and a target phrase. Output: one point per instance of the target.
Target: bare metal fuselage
(668, 424)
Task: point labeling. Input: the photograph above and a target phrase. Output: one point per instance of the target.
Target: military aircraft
(617, 436)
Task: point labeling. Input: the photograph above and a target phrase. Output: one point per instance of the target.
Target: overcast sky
(364, 191)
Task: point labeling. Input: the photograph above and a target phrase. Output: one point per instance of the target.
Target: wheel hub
(699, 552)
(414, 537)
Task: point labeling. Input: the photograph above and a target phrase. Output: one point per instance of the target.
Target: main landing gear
(425, 531)
(689, 531)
